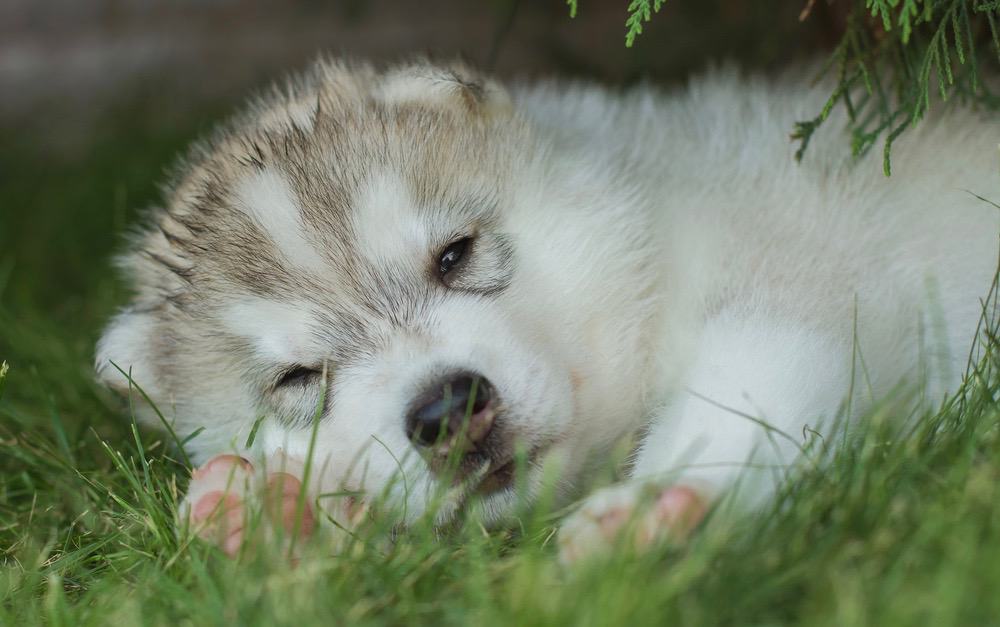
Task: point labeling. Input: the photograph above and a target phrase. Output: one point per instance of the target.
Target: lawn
(900, 526)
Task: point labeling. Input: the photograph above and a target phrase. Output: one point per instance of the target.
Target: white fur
(385, 224)
(129, 330)
(280, 332)
(266, 198)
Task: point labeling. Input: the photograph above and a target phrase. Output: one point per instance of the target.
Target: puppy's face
(370, 255)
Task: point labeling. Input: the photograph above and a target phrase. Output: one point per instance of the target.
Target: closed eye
(297, 376)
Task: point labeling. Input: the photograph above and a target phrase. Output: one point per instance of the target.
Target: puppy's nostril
(441, 412)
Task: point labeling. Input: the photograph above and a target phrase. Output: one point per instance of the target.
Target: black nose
(459, 404)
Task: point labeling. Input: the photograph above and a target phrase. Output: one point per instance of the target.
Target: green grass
(901, 526)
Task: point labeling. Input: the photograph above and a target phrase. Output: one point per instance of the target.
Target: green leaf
(253, 432)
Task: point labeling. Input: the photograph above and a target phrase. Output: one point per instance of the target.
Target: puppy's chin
(543, 478)
(498, 508)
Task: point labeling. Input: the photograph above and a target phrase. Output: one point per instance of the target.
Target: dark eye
(297, 375)
(452, 255)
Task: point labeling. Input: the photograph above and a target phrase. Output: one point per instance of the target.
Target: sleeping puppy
(435, 285)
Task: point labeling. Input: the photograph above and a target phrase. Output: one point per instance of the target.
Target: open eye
(452, 255)
(297, 375)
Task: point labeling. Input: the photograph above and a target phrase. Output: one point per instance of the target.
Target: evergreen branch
(895, 61)
(640, 12)
(923, 51)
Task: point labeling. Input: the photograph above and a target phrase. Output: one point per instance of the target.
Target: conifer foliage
(898, 58)
(895, 61)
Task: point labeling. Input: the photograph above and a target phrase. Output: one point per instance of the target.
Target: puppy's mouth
(500, 476)
(487, 462)
(488, 479)
(497, 478)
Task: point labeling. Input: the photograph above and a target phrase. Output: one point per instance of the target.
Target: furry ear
(455, 87)
(127, 342)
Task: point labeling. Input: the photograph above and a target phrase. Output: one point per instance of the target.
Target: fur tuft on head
(454, 86)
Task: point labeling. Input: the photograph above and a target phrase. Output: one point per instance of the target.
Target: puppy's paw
(631, 515)
(226, 491)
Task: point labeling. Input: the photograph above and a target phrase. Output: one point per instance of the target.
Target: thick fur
(649, 262)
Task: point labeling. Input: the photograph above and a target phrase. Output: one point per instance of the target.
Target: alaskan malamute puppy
(424, 266)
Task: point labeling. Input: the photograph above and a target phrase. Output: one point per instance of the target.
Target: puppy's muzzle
(456, 412)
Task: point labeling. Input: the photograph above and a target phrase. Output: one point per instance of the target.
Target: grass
(899, 527)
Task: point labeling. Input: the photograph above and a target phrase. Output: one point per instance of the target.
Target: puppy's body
(775, 280)
(649, 262)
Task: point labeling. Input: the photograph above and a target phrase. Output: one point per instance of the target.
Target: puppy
(423, 282)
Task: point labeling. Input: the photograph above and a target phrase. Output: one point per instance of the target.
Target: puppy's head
(391, 258)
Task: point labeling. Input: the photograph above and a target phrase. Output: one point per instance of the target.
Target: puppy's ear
(454, 86)
(127, 342)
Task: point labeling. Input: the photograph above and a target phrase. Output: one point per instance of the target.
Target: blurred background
(97, 97)
(85, 57)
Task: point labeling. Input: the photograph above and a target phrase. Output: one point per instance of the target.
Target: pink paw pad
(674, 514)
(223, 488)
(680, 508)
(215, 501)
(630, 512)
(282, 494)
